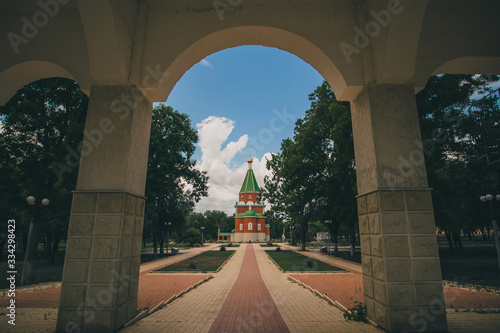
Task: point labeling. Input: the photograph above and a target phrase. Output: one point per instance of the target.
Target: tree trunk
(55, 248)
(155, 238)
(161, 245)
(32, 248)
(457, 240)
(335, 242)
(450, 242)
(3, 241)
(352, 230)
(303, 233)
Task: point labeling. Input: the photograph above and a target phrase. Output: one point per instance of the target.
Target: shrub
(278, 249)
(222, 248)
(230, 244)
(269, 243)
(309, 264)
(357, 313)
(193, 265)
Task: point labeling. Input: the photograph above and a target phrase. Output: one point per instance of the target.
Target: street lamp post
(291, 235)
(489, 198)
(202, 228)
(31, 201)
(167, 225)
(327, 222)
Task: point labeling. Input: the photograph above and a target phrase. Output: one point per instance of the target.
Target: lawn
(267, 245)
(208, 261)
(346, 255)
(47, 272)
(44, 270)
(290, 261)
(476, 265)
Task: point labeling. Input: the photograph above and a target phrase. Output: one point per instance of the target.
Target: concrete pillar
(401, 271)
(101, 268)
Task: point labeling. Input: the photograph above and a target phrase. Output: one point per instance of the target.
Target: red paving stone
(249, 306)
(156, 288)
(347, 288)
(152, 290)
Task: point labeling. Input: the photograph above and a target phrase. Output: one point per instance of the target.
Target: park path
(347, 288)
(249, 305)
(236, 294)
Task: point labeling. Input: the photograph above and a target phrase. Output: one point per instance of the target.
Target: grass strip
(208, 261)
(291, 261)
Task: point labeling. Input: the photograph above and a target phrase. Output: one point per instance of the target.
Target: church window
(258, 226)
(241, 226)
(250, 226)
(249, 196)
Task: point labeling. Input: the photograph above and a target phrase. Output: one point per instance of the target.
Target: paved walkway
(249, 305)
(201, 309)
(250, 288)
(36, 306)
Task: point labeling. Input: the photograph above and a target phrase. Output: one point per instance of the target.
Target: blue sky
(239, 99)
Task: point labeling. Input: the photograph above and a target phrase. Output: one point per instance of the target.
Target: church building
(249, 223)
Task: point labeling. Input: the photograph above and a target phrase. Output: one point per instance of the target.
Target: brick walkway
(299, 309)
(37, 311)
(197, 310)
(249, 305)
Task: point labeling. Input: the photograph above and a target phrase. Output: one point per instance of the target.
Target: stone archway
(130, 54)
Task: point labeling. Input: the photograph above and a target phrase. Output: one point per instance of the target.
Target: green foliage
(454, 172)
(222, 248)
(313, 177)
(42, 131)
(278, 249)
(173, 184)
(356, 313)
(192, 236)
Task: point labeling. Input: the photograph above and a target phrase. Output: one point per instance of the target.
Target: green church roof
(249, 213)
(250, 183)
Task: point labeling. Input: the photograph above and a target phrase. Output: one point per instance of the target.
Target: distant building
(249, 223)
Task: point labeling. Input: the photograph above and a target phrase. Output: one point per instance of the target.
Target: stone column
(101, 268)
(401, 271)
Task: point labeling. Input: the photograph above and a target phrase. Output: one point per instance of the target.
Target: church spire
(250, 183)
(250, 161)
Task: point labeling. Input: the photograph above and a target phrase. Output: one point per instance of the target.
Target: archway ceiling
(152, 43)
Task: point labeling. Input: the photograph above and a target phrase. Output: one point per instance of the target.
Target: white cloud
(205, 63)
(224, 183)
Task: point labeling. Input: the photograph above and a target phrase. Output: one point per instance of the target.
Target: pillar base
(401, 271)
(101, 268)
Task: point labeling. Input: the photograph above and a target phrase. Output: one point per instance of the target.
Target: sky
(240, 100)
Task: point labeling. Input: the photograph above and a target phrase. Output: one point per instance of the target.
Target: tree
(173, 185)
(313, 175)
(454, 171)
(41, 136)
